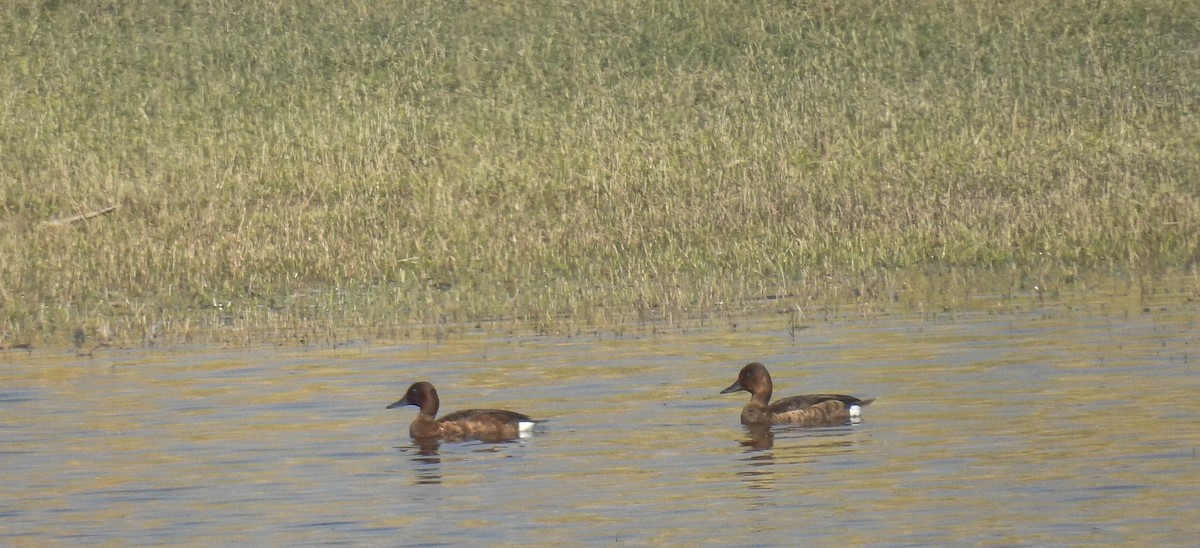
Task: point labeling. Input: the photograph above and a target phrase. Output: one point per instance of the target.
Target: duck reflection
(427, 463)
(798, 445)
(760, 438)
(758, 471)
(425, 455)
(428, 447)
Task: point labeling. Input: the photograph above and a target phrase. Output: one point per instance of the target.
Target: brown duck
(809, 410)
(482, 424)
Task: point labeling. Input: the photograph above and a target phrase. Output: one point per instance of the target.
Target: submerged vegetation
(293, 167)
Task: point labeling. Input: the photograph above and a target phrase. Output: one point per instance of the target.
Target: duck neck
(429, 409)
(424, 426)
(756, 413)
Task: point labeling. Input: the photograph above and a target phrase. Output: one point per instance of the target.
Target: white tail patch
(855, 411)
(525, 429)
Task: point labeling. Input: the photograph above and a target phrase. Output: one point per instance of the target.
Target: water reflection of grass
(291, 169)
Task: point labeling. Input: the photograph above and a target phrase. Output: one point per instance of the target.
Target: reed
(300, 168)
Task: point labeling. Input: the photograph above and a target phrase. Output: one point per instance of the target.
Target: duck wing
(800, 403)
(500, 415)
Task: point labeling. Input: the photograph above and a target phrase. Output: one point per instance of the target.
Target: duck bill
(736, 386)
(403, 402)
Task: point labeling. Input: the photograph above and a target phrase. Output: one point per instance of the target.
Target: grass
(303, 167)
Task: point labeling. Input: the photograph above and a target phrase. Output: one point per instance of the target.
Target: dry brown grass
(303, 168)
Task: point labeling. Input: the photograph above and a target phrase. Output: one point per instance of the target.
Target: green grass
(304, 167)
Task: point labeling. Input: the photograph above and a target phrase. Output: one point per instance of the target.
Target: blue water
(1035, 426)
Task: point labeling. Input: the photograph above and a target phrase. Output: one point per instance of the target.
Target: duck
(481, 424)
(808, 410)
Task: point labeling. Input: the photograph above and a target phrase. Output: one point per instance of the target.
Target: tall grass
(305, 166)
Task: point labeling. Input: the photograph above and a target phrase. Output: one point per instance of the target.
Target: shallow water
(1014, 425)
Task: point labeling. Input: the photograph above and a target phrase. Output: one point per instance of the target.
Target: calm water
(1028, 424)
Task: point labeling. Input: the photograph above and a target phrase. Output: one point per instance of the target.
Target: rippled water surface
(1028, 424)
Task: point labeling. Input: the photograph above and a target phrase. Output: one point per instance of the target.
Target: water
(1027, 425)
